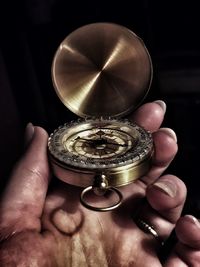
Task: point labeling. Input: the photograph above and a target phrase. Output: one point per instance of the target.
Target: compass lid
(102, 69)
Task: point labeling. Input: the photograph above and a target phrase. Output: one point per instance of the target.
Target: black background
(30, 32)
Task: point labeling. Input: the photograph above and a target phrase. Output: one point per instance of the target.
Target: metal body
(122, 151)
(102, 71)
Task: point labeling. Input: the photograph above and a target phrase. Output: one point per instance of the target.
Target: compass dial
(99, 144)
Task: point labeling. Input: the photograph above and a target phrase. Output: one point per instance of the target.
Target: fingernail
(29, 132)
(192, 219)
(170, 132)
(161, 104)
(166, 187)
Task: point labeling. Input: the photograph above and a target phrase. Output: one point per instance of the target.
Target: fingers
(188, 231)
(150, 115)
(23, 199)
(171, 192)
(187, 250)
(165, 199)
(165, 149)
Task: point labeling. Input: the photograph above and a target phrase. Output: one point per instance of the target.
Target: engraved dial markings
(102, 143)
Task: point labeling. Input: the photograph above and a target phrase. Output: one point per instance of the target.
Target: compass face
(99, 144)
(95, 143)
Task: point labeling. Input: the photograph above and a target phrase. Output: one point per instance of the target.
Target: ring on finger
(145, 227)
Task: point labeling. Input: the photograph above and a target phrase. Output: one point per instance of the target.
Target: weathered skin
(74, 236)
(40, 228)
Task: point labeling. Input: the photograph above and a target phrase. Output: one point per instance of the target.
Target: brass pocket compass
(101, 72)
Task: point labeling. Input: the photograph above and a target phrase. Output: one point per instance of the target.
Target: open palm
(53, 229)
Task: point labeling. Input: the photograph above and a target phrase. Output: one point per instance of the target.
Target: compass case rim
(142, 147)
(115, 177)
(137, 163)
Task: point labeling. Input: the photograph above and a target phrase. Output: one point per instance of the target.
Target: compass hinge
(100, 184)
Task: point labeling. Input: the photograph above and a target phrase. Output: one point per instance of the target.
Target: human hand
(53, 229)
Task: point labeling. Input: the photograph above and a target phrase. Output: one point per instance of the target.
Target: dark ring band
(149, 230)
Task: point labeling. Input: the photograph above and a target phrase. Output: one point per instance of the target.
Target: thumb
(23, 200)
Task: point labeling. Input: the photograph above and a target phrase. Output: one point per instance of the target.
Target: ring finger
(162, 215)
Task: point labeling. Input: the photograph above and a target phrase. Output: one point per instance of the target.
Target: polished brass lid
(102, 69)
